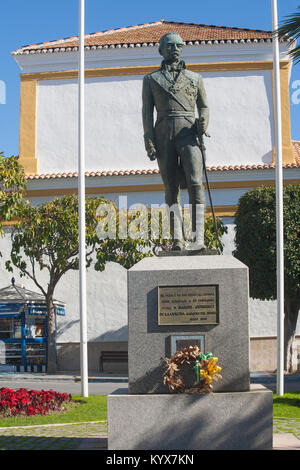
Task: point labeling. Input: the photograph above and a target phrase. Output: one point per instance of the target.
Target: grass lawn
(287, 406)
(92, 408)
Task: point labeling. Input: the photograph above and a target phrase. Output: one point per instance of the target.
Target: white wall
(241, 117)
(240, 126)
(114, 135)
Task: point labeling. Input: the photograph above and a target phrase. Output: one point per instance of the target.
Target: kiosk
(23, 329)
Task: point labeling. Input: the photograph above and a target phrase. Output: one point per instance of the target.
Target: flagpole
(81, 209)
(279, 207)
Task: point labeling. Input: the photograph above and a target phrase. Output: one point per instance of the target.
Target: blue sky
(34, 21)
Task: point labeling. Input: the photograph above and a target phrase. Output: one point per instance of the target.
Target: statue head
(170, 47)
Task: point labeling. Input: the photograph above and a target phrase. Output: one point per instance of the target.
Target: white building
(236, 65)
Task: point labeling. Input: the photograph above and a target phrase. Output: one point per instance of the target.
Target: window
(10, 328)
(35, 327)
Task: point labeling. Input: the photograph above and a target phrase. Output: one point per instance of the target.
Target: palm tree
(290, 27)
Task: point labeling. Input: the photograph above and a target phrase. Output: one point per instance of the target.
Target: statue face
(171, 48)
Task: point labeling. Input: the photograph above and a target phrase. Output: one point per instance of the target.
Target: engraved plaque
(183, 341)
(188, 305)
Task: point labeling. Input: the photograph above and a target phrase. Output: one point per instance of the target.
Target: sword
(203, 150)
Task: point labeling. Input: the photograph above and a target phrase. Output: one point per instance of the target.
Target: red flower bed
(25, 402)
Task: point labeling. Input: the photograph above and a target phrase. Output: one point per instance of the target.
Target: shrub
(255, 240)
(23, 402)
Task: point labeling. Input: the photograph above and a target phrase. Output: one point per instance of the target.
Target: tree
(12, 186)
(46, 237)
(290, 27)
(255, 238)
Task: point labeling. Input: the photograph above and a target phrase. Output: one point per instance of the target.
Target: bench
(112, 356)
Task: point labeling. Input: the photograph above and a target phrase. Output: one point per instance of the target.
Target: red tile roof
(154, 171)
(148, 34)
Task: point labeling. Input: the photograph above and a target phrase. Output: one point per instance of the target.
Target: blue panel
(37, 310)
(35, 340)
(60, 310)
(10, 315)
(13, 308)
(11, 340)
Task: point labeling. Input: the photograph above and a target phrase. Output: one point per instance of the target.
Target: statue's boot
(178, 245)
(176, 228)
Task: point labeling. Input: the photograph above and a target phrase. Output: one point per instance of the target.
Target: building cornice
(60, 49)
(113, 58)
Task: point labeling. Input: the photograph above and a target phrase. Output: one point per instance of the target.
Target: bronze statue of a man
(175, 92)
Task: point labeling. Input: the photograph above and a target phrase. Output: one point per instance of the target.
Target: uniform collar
(178, 67)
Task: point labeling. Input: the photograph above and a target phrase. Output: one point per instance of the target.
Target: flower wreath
(205, 366)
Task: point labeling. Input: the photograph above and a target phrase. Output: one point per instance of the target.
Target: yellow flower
(205, 375)
(212, 366)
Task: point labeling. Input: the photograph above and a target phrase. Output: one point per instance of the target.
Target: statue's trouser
(175, 214)
(175, 139)
(197, 208)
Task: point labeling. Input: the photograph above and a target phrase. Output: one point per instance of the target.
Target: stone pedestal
(218, 421)
(149, 343)
(149, 416)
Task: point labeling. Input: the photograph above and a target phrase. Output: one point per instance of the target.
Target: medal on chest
(191, 90)
(174, 88)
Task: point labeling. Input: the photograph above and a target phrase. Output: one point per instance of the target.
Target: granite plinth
(217, 421)
(149, 343)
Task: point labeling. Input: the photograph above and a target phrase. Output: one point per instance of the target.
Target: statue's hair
(164, 38)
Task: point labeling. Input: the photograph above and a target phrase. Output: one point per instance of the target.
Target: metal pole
(279, 207)
(81, 210)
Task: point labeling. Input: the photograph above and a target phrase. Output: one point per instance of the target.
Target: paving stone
(93, 436)
(287, 425)
(55, 437)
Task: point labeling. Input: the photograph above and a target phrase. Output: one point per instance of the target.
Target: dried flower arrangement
(205, 366)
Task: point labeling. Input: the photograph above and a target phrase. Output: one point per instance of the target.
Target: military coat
(174, 99)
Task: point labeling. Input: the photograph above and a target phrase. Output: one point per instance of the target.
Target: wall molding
(34, 193)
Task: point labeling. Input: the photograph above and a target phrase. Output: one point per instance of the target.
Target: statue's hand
(202, 126)
(150, 148)
(152, 154)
